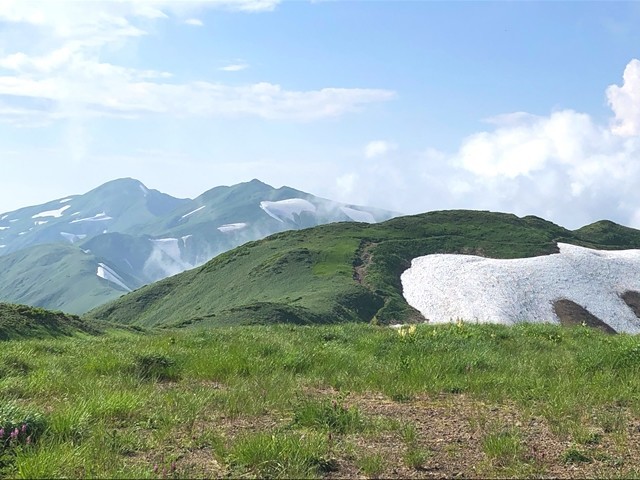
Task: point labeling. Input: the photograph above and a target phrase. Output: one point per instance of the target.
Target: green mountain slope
(55, 276)
(21, 321)
(78, 252)
(340, 272)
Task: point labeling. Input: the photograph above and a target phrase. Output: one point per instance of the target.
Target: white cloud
(56, 71)
(378, 148)
(625, 101)
(235, 67)
(565, 167)
(194, 22)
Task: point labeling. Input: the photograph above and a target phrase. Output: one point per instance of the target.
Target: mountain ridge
(123, 235)
(340, 272)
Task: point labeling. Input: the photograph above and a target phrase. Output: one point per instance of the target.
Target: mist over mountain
(76, 252)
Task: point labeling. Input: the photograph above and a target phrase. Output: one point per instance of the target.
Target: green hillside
(54, 276)
(341, 272)
(76, 253)
(21, 321)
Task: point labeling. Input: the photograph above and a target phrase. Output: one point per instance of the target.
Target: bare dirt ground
(450, 431)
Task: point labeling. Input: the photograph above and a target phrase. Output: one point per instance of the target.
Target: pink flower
(1, 432)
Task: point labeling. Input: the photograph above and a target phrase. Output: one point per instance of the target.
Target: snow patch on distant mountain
(358, 215)
(109, 275)
(14, 220)
(4, 216)
(71, 237)
(231, 227)
(4, 228)
(99, 217)
(145, 190)
(286, 209)
(445, 287)
(52, 213)
(41, 222)
(65, 200)
(2, 246)
(192, 212)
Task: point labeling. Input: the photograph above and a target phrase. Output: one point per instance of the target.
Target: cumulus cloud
(564, 166)
(57, 71)
(378, 148)
(625, 101)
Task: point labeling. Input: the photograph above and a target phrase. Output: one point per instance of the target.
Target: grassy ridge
(21, 321)
(339, 400)
(340, 272)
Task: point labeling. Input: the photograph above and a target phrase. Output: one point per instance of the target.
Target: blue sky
(411, 106)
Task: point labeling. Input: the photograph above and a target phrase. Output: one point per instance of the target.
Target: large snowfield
(448, 287)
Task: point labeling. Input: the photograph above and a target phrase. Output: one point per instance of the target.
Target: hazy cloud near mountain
(565, 166)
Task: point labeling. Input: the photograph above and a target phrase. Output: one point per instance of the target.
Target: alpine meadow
(309, 239)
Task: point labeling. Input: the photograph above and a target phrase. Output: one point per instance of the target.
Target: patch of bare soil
(571, 314)
(365, 257)
(450, 431)
(632, 299)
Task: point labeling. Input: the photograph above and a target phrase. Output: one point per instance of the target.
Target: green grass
(503, 447)
(371, 465)
(330, 416)
(21, 321)
(282, 400)
(340, 272)
(280, 455)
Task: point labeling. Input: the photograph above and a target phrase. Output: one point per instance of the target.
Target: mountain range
(347, 272)
(80, 251)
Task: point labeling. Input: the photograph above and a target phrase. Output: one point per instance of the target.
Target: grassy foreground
(322, 401)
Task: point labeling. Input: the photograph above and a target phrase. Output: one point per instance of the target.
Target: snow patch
(445, 287)
(14, 220)
(23, 233)
(231, 227)
(286, 209)
(2, 246)
(71, 237)
(4, 216)
(100, 217)
(52, 213)
(65, 200)
(4, 228)
(109, 275)
(40, 222)
(145, 190)
(358, 215)
(192, 212)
